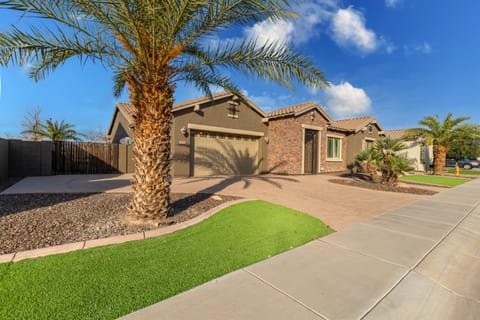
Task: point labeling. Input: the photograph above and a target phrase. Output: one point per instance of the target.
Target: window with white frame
(334, 148)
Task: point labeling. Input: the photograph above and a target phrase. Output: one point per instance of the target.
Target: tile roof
(353, 124)
(128, 110)
(395, 134)
(296, 110)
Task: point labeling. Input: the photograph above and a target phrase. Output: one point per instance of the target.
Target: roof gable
(356, 124)
(297, 110)
(128, 110)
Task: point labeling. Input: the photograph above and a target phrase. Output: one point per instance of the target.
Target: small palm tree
(368, 161)
(55, 131)
(151, 46)
(440, 134)
(388, 148)
(397, 165)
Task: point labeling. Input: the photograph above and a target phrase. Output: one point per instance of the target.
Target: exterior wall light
(184, 131)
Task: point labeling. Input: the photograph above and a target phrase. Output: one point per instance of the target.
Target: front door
(311, 152)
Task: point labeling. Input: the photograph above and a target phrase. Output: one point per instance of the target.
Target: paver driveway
(337, 205)
(421, 261)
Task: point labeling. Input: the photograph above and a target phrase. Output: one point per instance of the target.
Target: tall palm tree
(55, 131)
(441, 135)
(151, 45)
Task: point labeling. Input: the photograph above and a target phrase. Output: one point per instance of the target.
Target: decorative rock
(216, 198)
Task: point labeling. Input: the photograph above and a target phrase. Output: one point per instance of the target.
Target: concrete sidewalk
(421, 261)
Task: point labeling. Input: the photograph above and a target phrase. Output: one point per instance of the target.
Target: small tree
(384, 156)
(55, 131)
(368, 161)
(440, 134)
(467, 145)
(96, 135)
(397, 165)
(31, 124)
(388, 149)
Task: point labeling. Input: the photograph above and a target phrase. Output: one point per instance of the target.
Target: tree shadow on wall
(226, 161)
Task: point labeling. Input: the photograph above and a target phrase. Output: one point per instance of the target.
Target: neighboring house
(417, 153)
(225, 136)
(362, 133)
(301, 142)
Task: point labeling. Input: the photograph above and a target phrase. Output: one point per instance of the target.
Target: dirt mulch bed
(382, 187)
(31, 221)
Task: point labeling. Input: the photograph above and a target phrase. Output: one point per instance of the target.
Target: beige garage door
(224, 154)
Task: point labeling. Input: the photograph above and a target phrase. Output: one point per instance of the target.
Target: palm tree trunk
(439, 157)
(151, 151)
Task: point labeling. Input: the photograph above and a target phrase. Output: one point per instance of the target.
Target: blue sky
(397, 60)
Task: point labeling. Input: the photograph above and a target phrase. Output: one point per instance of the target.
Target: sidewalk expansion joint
(395, 231)
(287, 295)
(363, 254)
(421, 259)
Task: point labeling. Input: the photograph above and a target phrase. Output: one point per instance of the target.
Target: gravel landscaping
(382, 187)
(31, 221)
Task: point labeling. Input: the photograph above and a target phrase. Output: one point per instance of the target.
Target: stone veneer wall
(285, 142)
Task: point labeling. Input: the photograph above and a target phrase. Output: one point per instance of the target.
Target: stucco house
(225, 136)
(361, 134)
(419, 154)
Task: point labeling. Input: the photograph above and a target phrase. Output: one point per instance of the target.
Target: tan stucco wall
(116, 133)
(213, 114)
(356, 142)
(413, 155)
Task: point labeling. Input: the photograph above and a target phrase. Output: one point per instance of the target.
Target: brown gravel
(31, 221)
(382, 187)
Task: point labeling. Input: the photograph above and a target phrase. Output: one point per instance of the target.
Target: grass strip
(435, 180)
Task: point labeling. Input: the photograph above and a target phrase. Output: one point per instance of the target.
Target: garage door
(224, 154)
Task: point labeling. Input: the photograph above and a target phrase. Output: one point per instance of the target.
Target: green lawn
(107, 282)
(435, 180)
(467, 172)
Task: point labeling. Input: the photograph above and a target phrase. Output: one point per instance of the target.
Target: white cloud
(349, 30)
(346, 26)
(305, 27)
(268, 31)
(419, 48)
(346, 100)
(392, 3)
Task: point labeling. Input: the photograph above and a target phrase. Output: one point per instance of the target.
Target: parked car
(463, 163)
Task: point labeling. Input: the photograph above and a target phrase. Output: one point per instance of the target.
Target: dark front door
(311, 151)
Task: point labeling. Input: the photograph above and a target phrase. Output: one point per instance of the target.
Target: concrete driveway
(337, 205)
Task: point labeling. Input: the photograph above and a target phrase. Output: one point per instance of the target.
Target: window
(334, 148)
(423, 150)
(369, 144)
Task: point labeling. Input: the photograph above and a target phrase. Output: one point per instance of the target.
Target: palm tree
(55, 131)
(388, 149)
(368, 160)
(151, 46)
(440, 134)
